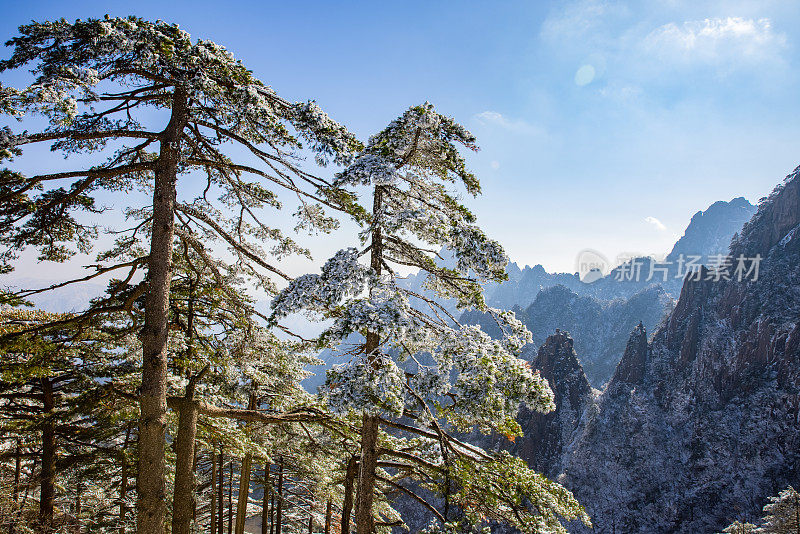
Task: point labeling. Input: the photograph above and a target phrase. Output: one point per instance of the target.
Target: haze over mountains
(709, 233)
(600, 315)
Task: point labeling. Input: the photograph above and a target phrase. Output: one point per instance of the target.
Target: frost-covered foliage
(781, 516)
(72, 59)
(219, 350)
(408, 163)
(782, 513)
(57, 416)
(412, 162)
(737, 527)
(342, 276)
(543, 502)
(94, 82)
(418, 363)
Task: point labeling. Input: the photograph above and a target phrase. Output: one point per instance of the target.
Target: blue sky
(602, 124)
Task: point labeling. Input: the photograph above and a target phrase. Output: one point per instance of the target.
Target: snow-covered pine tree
(782, 513)
(419, 363)
(98, 83)
(223, 367)
(737, 527)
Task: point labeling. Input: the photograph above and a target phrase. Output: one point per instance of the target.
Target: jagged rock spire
(703, 419)
(631, 368)
(546, 436)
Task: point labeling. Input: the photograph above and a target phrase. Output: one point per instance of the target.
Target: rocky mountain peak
(710, 231)
(546, 436)
(700, 425)
(778, 214)
(631, 368)
(558, 363)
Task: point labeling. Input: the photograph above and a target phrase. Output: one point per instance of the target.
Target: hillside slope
(700, 425)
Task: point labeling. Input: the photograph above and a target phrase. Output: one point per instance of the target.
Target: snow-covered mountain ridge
(700, 424)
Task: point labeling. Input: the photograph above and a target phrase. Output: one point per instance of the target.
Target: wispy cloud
(655, 222)
(580, 19)
(493, 118)
(732, 40)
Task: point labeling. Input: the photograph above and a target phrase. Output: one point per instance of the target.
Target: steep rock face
(631, 368)
(710, 231)
(698, 427)
(546, 436)
(599, 328)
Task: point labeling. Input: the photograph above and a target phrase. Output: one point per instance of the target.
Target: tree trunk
(47, 490)
(123, 481)
(213, 512)
(244, 493)
(221, 495)
(194, 482)
(328, 512)
(272, 514)
(244, 478)
(310, 523)
(14, 512)
(183, 496)
(365, 524)
(151, 475)
(347, 505)
(230, 498)
(265, 501)
(279, 499)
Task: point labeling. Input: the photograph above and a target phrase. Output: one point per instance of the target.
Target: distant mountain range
(600, 315)
(602, 327)
(709, 233)
(699, 424)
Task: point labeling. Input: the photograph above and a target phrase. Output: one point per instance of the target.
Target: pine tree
(95, 81)
(737, 527)
(418, 362)
(783, 513)
(223, 368)
(54, 396)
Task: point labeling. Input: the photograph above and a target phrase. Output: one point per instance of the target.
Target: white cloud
(493, 118)
(733, 40)
(647, 44)
(655, 222)
(495, 164)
